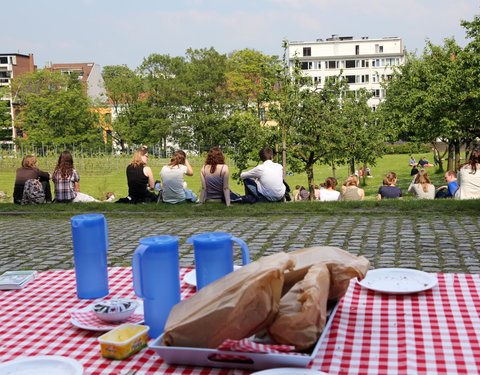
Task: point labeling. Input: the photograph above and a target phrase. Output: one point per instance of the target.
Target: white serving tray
(256, 361)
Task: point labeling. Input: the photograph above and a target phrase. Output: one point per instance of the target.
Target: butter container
(123, 341)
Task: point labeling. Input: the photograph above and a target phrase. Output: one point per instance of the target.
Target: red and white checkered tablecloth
(434, 332)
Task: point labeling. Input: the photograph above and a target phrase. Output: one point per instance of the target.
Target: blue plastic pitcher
(156, 279)
(214, 256)
(90, 244)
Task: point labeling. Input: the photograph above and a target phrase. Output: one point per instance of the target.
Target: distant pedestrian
(264, 183)
(469, 178)
(67, 181)
(421, 187)
(329, 193)
(389, 190)
(351, 190)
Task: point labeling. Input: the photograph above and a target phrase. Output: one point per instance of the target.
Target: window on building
(317, 80)
(376, 93)
(364, 78)
(307, 51)
(364, 63)
(307, 65)
(3, 60)
(350, 79)
(378, 48)
(357, 49)
(332, 64)
(350, 64)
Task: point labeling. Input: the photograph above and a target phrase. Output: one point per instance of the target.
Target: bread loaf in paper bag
(233, 307)
(303, 310)
(342, 265)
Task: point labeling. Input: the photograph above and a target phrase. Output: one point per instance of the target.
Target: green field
(99, 175)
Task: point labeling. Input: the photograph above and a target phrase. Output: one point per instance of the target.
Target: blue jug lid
(158, 240)
(212, 236)
(86, 219)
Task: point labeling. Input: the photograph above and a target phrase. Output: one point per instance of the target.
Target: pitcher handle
(245, 250)
(136, 273)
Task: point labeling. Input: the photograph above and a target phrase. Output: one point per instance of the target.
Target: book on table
(16, 279)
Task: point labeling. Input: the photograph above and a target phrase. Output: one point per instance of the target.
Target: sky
(116, 32)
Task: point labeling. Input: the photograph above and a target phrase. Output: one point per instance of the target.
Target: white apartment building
(365, 63)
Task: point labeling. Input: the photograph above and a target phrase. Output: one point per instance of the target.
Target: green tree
(471, 65)
(55, 110)
(124, 89)
(249, 73)
(5, 116)
(206, 106)
(164, 97)
(435, 97)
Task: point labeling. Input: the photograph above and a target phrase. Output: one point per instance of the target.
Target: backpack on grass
(33, 192)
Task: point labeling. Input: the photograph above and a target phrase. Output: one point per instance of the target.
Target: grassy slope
(101, 175)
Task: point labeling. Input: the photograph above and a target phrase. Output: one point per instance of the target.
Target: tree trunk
(352, 166)
(311, 187)
(467, 150)
(439, 157)
(450, 166)
(364, 179)
(457, 155)
(334, 170)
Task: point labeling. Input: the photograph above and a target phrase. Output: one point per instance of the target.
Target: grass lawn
(101, 175)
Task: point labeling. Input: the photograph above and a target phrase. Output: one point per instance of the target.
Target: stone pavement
(436, 244)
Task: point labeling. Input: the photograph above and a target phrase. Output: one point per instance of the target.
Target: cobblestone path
(436, 244)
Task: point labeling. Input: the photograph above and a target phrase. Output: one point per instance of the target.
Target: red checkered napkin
(90, 320)
(250, 346)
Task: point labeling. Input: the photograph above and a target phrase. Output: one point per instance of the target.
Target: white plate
(398, 280)
(76, 323)
(191, 277)
(289, 371)
(42, 365)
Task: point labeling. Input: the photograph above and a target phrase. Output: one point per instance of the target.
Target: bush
(407, 148)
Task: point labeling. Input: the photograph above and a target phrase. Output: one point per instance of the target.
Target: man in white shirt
(269, 186)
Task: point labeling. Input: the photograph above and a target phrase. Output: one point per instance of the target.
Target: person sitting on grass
(421, 187)
(304, 194)
(140, 178)
(389, 190)
(29, 171)
(448, 191)
(264, 183)
(214, 178)
(469, 178)
(316, 192)
(174, 187)
(296, 194)
(329, 193)
(351, 191)
(67, 181)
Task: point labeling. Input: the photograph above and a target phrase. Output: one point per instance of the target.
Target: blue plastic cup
(90, 244)
(214, 256)
(156, 279)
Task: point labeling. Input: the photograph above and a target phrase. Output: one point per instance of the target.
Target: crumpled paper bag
(342, 265)
(233, 307)
(303, 310)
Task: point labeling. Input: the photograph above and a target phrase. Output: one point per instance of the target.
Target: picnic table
(433, 332)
